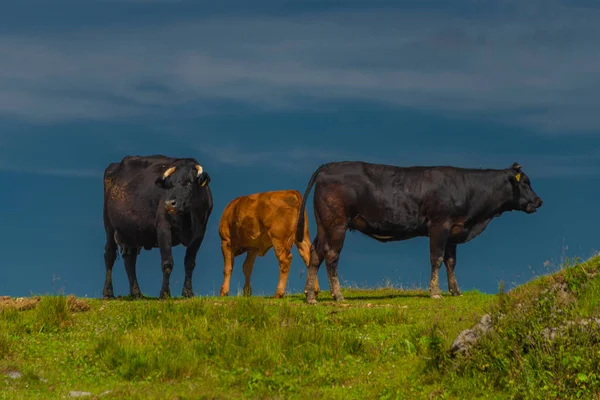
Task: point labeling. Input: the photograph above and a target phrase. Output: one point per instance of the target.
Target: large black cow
(388, 203)
(154, 201)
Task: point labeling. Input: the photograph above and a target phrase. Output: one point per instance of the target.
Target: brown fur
(253, 224)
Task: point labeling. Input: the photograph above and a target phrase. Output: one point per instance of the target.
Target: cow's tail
(300, 225)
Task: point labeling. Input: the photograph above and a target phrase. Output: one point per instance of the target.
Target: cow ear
(203, 179)
(516, 177)
(516, 167)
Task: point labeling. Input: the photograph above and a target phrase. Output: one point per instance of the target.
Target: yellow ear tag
(203, 183)
(518, 177)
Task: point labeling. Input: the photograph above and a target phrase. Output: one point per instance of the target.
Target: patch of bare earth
(28, 303)
(20, 303)
(77, 305)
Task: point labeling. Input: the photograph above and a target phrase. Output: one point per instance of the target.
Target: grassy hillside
(383, 344)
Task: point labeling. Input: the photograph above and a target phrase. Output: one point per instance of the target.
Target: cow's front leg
(190, 264)
(164, 243)
(438, 238)
(450, 261)
(228, 259)
(190, 260)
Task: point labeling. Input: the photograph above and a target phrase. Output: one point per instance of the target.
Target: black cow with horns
(154, 201)
(447, 204)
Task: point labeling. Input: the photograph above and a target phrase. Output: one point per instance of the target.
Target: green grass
(381, 344)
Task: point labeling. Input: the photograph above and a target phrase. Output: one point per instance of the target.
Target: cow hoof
(338, 297)
(223, 294)
(312, 302)
(278, 295)
(436, 296)
(187, 293)
(109, 297)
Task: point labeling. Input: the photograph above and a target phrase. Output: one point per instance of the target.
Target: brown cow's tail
(300, 225)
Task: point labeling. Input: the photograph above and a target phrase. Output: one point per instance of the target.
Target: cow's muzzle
(532, 207)
(170, 206)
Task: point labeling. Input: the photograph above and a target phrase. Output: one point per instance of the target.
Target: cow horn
(199, 169)
(168, 172)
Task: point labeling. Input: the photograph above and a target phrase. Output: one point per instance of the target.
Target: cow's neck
(496, 199)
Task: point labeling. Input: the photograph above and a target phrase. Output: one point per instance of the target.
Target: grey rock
(551, 333)
(79, 394)
(467, 338)
(14, 374)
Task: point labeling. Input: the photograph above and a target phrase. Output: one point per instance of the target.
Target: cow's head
(181, 182)
(525, 198)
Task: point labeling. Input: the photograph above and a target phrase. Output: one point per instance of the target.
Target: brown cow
(253, 224)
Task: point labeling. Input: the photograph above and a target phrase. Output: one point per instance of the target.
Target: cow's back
(388, 196)
(255, 220)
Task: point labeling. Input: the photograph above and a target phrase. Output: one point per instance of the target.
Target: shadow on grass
(350, 295)
(388, 296)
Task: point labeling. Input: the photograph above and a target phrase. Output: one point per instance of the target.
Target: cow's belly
(459, 233)
(387, 231)
(259, 242)
(133, 229)
(146, 239)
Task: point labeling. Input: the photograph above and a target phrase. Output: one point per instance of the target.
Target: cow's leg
(166, 255)
(333, 248)
(332, 222)
(284, 256)
(228, 259)
(438, 238)
(450, 261)
(305, 253)
(130, 258)
(110, 256)
(190, 260)
(190, 263)
(316, 258)
(248, 266)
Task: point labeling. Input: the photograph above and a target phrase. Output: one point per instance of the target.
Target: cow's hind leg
(450, 261)
(317, 255)
(228, 259)
(110, 256)
(333, 248)
(438, 238)
(248, 266)
(284, 256)
(305, 250)
(130, 259)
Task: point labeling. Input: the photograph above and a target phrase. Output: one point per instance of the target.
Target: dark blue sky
(263, 92)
